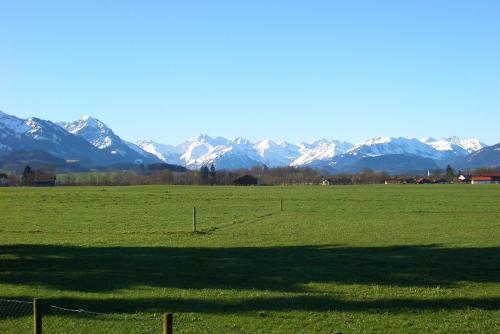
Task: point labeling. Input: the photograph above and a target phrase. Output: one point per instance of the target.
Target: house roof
(490, 174)
(45, 177)
(482, 178)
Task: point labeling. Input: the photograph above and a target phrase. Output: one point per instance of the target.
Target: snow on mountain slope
(94, 131)
(274, 154)
(204, 150)
(103, 138)
(390, 145)
(459, 145)
(91, 140)
(166, 153)
(37, 134)
(319, 151)
(12, 124)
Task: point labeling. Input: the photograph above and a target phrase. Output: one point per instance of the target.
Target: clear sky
(285, 70)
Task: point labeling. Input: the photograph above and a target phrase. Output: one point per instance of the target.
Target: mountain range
(90, 142)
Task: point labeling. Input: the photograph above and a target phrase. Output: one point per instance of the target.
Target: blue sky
(286, 70)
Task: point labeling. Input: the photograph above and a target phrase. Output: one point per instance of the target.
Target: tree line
(154, 174)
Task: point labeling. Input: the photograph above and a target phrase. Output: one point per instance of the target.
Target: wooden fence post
(37, 316)
(167, 323)
(194, 219)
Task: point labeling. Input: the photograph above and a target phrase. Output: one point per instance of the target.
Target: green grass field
(361, 259)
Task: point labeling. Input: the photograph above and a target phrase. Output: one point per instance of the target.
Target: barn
(44, 180)
(246, 180)
(493, 178)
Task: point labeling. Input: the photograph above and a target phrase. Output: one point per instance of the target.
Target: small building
(493, 178)
(464, 178)
(423, 180)
(44, 180)
(4, 180)
(325, 182)
(394, 180)
(246, 180)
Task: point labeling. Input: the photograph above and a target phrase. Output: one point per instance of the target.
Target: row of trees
(210, 176)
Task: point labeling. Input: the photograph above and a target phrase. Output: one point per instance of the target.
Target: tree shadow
(303, 303)
(287, 269)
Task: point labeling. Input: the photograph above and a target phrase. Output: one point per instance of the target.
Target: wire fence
(17, 316)
(15, 308)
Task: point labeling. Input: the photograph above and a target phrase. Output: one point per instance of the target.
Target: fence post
(194, 219)
(167, 323)
(37, 316)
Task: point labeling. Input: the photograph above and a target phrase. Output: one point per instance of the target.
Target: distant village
(487, 178)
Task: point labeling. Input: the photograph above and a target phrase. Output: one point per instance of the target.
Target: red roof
(482, 178)
(44, 177)
(491, 174)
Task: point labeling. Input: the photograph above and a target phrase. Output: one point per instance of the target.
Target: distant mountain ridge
(83, 145)
(328, 155)
(103, 138)
(91, 142)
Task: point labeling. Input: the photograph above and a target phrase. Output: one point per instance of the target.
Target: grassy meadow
(360, 259)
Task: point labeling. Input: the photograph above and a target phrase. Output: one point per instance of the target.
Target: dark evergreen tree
(204, 175)
(450, 173)
(28, 176)
(213, 175)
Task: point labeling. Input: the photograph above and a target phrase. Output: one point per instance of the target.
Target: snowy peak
(103, 138)
(92, 140)
(92, 130)
(320, 150)
(166, 153)
(12, 124)
(453, 143)
(274, 154)
(225, 153)
(394, 145)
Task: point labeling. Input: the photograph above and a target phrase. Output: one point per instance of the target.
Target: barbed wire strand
(15, 308)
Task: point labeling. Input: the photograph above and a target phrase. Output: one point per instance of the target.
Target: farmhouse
(423, 180)
(4, 179)
(490, 178)
(44, 180)
(245, 180)
(464, 178)
(394, 180)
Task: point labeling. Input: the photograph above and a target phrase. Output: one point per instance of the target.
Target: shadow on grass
(287, 269)
(262, 304)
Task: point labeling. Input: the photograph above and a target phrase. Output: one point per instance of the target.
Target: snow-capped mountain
(103, 138)
(36, 134)
(91, 141)
(397, 154)
(319, 151)
(488, 156)
(223, 153)
(274, 154)
(390, 145)
(455, 144)
(166, 153)
(332, 155)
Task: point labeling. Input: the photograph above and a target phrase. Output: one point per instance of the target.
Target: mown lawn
(361, 259)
